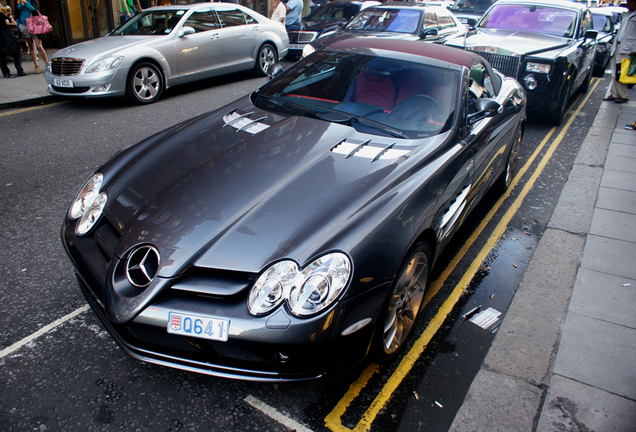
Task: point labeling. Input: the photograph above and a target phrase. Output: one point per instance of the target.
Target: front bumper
(97, 84)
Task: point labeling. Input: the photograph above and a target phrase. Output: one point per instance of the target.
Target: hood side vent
(242, 122)
(369, 150)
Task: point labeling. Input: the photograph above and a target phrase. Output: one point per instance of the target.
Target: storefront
(75, 21)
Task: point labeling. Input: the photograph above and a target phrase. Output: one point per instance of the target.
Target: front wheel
(504, 181)
(264, 59)
(556, 118)
(145, 83)
(404, 303)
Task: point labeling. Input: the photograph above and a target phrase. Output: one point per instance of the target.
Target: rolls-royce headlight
(307, 292)
(85, 197)
(92, 215)
(319, 284)
(107, 63)
(308, 49)
(538, 67)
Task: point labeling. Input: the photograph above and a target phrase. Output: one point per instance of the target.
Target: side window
(231, 18)
(445, 22)
(430, 20)
(586, 23)
(480, 83)
(202, 21)
(249, 19)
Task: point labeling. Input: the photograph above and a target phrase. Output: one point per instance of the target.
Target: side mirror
(485, 108)
(273, 71)
(429, 32)
(590, 34)
(186, 30)
(471, 23)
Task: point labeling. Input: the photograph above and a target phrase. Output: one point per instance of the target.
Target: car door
(200, 53)
(586, 48)
(239, 33)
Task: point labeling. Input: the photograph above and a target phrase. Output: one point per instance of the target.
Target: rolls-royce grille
(507, 65)
(301, 36)
(66, 66)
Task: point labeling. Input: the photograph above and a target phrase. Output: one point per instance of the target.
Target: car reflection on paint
(292, 232)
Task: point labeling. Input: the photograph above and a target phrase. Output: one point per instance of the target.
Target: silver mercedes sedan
(165, 46)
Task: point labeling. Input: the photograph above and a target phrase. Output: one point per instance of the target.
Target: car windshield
(151, 22)
(601, 23)
(393, 20)
(531, 18)
(474, 6)
(333, 12)
(372, 94)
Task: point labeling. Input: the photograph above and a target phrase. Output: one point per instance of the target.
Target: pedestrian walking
(127, 9)
(624, 46)
(9, 46)
(25, 9)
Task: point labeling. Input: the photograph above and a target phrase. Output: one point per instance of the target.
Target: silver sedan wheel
(266, 57)
(146, 83)
(405, 302)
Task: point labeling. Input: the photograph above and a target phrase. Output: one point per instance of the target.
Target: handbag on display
(38, 24)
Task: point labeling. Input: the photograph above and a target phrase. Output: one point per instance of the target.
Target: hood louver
(242, 122)
(369, 150)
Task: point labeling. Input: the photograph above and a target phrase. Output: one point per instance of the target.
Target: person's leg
(38, 44)
(34, 57)
(17, 62)
(616, 89)
(3, 66)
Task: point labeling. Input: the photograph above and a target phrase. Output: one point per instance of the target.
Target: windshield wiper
(288, 104)
(366, 122)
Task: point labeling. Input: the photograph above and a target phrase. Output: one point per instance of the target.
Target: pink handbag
(38, 24)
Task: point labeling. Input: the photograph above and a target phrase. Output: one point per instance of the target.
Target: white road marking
(272, 413)
(47, 328)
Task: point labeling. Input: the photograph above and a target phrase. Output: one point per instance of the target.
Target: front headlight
(308, 49)
(538, 67)
(92, 215)
(86, 195)
(307, 292)
(105, 64)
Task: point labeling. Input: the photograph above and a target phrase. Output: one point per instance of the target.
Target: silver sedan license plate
(204, 327)
(63, 82)
(296, 46)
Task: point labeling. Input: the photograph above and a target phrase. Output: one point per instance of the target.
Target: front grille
(63, 66)
(71, 90)
(507, 65)
(301, 36)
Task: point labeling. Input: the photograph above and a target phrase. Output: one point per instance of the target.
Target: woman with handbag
(26, 10)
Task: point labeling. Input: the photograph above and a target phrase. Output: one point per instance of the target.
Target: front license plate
(296, 46)
(198, 326)
(63, 83)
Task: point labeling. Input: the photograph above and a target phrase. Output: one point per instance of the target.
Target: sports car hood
(511, 42)
(103, 46)
(237, 193)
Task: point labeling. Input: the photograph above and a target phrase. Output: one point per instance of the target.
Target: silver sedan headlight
(307, 292)
(107, 63)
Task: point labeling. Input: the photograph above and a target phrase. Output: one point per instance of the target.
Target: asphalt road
(69, 375)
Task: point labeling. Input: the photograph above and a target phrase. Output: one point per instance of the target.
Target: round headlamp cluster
(88, 204)
(307, 291)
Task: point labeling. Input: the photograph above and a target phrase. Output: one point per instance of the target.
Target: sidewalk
(564, 358)
(27, 90)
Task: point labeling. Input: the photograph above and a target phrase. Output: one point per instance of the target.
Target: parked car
(329, 17)
(399, 20)
(466, 10)
(165, 46)
(548, 46)
(618, 13)
(603, 22)
(292, 232)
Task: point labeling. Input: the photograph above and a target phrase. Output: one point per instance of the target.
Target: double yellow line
(23, 110)
(333, 421)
